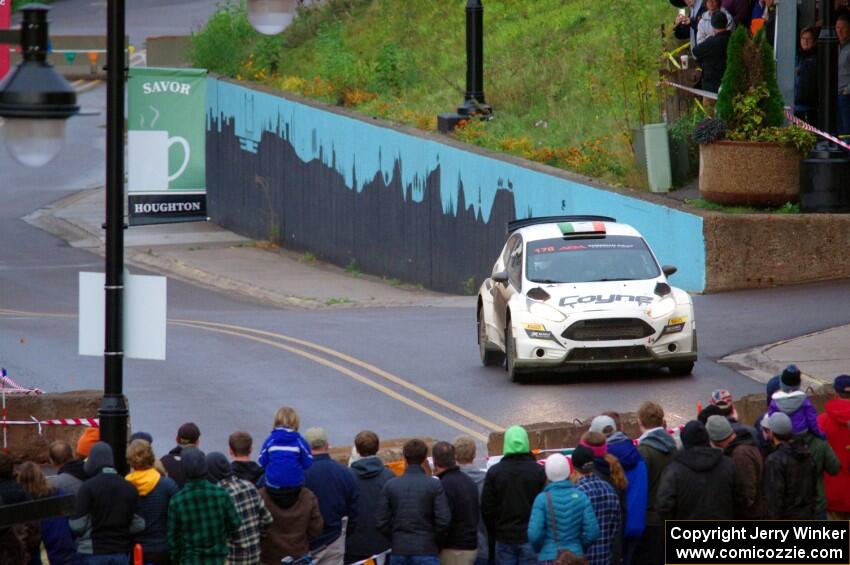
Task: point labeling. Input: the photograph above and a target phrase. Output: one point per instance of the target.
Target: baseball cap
(604, 425)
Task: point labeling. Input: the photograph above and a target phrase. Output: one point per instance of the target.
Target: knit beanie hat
(141, 435)
(790, 379)
(557, 468)
(100, 456)
(694, 435)
(90, 437)
(771, 387)
(718, 428)
(841, 384)
(779, 423)
(218, 467)
(193, 463)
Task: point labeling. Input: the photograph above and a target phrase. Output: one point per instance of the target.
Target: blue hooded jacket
(285, 455)
(575, 521)
(637, 493)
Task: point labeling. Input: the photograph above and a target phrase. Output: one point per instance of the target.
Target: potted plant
(747, 155)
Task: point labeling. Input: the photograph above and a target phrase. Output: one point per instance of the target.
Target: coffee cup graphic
(147, 159)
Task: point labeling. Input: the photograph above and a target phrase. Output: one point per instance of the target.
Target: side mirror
(669, 270)
(500, 277)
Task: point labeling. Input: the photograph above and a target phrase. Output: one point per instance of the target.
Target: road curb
(757, 364)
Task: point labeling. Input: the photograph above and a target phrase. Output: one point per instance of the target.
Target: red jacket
(835, 422)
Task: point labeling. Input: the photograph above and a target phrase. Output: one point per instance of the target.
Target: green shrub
(225, 42)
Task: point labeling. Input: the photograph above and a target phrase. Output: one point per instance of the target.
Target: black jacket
(790, 491)
(247, 470)
(75, 468)
(371, 475)
(413, 512)
(700, 483)
(509, 491)
(106, 503)
(806, 80)
(462, 495)
(711, 54)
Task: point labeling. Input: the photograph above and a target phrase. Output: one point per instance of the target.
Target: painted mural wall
(399, 205)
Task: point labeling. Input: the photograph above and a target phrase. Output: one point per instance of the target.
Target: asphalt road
(228, 378)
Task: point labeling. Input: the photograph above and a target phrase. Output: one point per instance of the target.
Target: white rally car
(582, 293)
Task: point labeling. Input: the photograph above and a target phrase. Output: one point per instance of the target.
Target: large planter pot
(748, 173)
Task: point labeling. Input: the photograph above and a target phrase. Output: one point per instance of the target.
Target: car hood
(601, 296)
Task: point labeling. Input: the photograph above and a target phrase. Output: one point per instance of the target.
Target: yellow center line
(363, 365)
(346, 371)
(244, 332)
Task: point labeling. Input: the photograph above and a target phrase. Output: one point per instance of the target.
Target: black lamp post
(824, 172)
(473, 99)
(35, 100)
(113, 411)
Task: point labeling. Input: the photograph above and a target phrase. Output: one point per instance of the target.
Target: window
(568, 260)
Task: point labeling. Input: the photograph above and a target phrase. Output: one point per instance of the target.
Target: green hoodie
(825, 462)
(516, 441)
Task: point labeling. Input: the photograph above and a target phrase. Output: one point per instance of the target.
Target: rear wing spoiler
(525, 222)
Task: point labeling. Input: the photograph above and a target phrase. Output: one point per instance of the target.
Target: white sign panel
(144, 316)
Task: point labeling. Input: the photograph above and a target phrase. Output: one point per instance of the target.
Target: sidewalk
(204, 253)
(821, 356)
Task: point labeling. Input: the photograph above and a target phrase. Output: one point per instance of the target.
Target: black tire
(510, 354)
(490, 356)
(681, 370)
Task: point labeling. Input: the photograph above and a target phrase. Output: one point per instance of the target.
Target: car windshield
(570, 260)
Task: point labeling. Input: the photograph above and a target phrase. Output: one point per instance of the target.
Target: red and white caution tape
(808, 127)
(11, 387)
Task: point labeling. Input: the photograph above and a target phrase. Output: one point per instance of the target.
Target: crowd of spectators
(602, 502)
(707, 25)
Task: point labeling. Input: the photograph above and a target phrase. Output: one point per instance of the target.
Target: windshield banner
(166, 145)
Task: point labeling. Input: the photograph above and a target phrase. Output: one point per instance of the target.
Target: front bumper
(555, 352)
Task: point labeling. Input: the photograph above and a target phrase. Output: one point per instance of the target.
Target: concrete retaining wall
(25, 443)
(399, 202)
(764, 250)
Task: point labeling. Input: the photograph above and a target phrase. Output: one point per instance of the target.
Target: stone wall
(764, 250)
(557, 435)
(24, 441)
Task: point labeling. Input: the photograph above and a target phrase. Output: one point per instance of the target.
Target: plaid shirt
(201, 518)
(256, 519)
(606, 506)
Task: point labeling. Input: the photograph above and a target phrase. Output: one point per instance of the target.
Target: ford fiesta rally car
(582, 293)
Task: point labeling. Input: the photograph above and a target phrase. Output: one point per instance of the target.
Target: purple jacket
(799, 408)
(740, 10)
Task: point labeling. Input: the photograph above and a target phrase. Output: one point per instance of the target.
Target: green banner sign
(166, 154)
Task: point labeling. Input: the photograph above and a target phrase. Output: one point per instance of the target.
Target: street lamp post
(473, 98)
(35, 100)
(824, 172)
(113, 411)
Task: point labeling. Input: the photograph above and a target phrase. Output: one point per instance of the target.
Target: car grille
(632, 352)
(607, 329)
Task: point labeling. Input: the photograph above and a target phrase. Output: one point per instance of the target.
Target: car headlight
(546, 312)
(663, 307)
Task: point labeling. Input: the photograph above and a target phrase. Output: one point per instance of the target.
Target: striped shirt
(244, 544)
(606, 506)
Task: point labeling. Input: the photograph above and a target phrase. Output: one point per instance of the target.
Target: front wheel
(681, 370)
(490, 357)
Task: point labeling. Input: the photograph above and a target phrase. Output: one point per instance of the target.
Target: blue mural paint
(350, 145)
